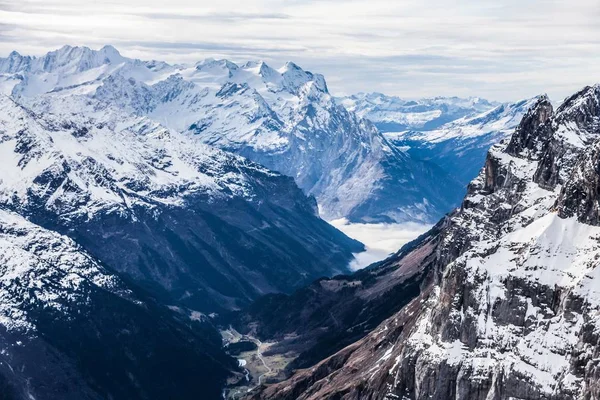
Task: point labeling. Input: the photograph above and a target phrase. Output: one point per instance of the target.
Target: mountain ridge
(71, 328)
(104, 178)
(284, 119)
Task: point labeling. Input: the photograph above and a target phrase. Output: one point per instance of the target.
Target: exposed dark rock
(532, 132)
(578, 119)
(580, 195)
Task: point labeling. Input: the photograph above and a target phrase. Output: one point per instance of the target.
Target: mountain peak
(530, 134)
(14, 63)
(582, 108)
(295, 77)
(574, 127)
(65, 48)
(211, 62)
(261, 68)
(110, 50)
(290, 65)
(255, 64)
(73, 59)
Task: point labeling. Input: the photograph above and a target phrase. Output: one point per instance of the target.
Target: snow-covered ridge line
(392, 113)
(133, 159)
(70, 66)
(284, 119)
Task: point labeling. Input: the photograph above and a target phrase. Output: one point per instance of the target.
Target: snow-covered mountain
(71, 329)
(508, 299)
(450, 132)
(394, 114)
(118, 235)
(284, 119)
(460, 146)
(198, 225)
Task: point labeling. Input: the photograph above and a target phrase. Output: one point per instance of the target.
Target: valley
(506, 303)
(261, 365)
(234, 230)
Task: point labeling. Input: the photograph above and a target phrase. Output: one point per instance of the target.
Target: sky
(502, 50)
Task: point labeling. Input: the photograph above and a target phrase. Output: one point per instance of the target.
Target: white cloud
(502, 50)
(381, 240)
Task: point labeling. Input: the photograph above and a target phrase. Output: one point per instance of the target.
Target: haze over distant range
(499, 50)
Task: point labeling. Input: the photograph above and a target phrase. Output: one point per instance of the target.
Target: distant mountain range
(284, 119)
(450, 132)
(394, 114)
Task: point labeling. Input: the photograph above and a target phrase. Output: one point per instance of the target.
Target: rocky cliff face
(512, 309)
(579, 196)
(532, 132)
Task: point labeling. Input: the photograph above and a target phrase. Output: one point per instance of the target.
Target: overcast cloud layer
(502, 50)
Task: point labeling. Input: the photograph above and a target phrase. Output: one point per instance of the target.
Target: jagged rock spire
(575, 127)
(532, 131)
(582, 108)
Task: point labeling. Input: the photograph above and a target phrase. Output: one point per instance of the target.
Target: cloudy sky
(502, 49)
